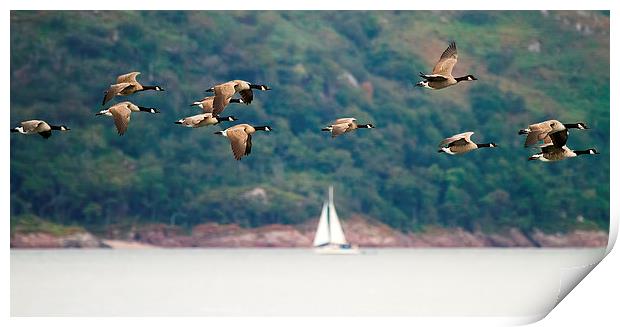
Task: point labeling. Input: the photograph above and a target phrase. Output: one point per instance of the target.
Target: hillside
(530, 66)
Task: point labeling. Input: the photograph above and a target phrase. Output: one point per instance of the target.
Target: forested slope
(531, 66)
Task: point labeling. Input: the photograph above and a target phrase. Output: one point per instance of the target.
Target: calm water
(156, 282)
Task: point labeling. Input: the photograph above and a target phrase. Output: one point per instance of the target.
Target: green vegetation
(321, 65)
(34, 224)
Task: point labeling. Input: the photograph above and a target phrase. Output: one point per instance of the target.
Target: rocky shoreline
(359, 230)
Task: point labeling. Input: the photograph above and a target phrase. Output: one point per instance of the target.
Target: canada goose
(461, 143)
(441, 76)
(344, 125)
(206, 104)
(204, 119)
(552, 152)
(225, 91)
(38, 126)
(549, 131)
(121, 113)
(240, 137)
(125, 85)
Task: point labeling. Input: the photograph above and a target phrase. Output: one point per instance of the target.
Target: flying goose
(240, 137)
(441, 76)
(549, 131)
(125, 85)
(344, 125)
(462, 143)
(38, 126)
(224, 92)
(121, 113)
(206, 104)
(202, 120)
(552, 152)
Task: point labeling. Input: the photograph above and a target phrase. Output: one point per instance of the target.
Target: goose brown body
(202, 120)
(344, 125)
(240, 137)
(549, 131)
(551, 152)
(441, 76)
(225, 91)
(36, 126)
(121, 114)
(461, 143)
(126, 84)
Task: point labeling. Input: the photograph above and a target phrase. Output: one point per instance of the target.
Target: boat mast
(331, 201)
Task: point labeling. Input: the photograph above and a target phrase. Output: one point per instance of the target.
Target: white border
(592, 303)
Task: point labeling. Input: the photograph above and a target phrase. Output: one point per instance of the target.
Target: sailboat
(329, 237)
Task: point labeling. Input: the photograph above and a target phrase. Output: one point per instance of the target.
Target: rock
(534, 46)
(371, 233)
(81, 240)
(257, 194)
(34, 240)
(46, 240)
(214, 235)
(349, 79)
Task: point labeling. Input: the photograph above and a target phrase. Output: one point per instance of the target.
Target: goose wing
(43, 129)
(238, 142)
(128, 78)
(42, 126)
(539, 132)
(458, 139)
(113, 90)
(345, 120)
(339, 129)
(247, 96)
(31, 126)
(207, 104)
(446, 61)
(223, 94)
(559, 138)
(196, 119)
(552, 148)
(121, 115)
(248, 145)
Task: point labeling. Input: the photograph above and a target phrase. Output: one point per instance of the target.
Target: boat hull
(337, 249)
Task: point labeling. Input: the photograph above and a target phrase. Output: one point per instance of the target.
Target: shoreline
(358, 230)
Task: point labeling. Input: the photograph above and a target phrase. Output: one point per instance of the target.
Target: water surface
(163, 282)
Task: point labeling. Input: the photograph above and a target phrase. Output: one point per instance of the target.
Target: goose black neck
(580, 152)
(235, 101)
(259, 87)
(226, 118)
(146, 109)
(55, 128)
(459, 79)
(364, 126)
(151, 87)
(484, 145)
(576, 125)
(262, 128)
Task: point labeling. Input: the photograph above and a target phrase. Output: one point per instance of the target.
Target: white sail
(322, 232)
(335, 230)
